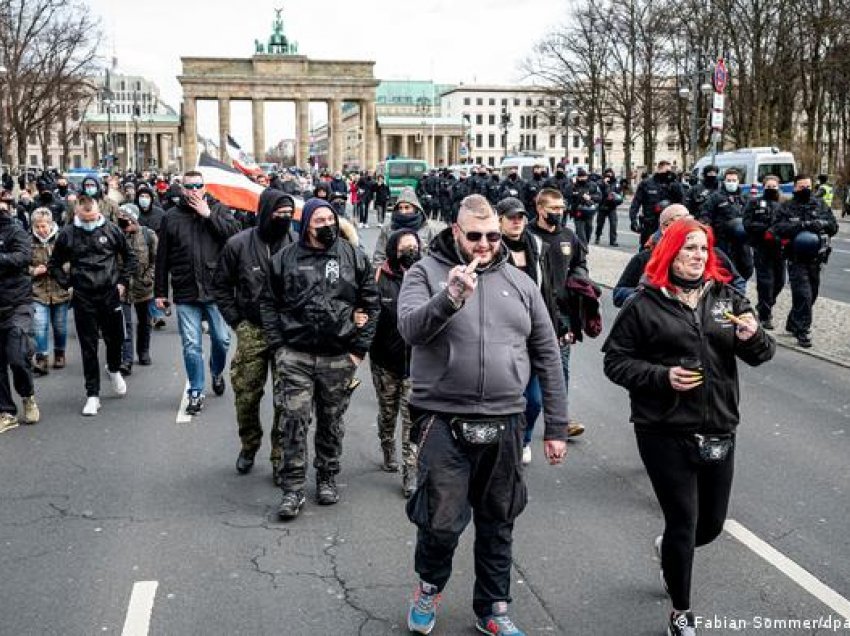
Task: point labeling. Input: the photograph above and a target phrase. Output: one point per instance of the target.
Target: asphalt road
(835, 279)
(90, 507)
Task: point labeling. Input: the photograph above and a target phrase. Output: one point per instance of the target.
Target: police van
(524, 164)
(753, 164)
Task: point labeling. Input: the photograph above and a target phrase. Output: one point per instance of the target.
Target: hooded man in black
(237, 286)
(150, 212)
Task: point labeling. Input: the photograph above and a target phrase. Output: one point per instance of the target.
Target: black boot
(245, 462)
(408, 481)
(326, 493)
(390, 464)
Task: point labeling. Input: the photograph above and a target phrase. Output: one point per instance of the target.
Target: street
(835, 279)
(93, 507)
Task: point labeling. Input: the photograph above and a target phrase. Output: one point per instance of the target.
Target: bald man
(631, 277)
(478, 327)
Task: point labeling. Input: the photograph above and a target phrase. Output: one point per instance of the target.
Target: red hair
(665, 252)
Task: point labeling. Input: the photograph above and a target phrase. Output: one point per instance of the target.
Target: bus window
(785, 171)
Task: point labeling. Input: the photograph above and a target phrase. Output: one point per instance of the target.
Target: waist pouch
(712, 449)
(478, 432)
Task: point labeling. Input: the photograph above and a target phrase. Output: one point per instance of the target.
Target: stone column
(190, 134)
(445, 149)
(258, 116)
(165, 151)
(404, 150)
(335, 140)
(302, 133)
(223, 126)
(371, 136)
(383, 147)
(361, 150)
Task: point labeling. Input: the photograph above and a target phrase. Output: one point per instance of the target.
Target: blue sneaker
(498, 623)
(423, 610)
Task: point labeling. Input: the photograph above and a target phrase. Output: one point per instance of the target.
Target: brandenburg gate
(276, 73)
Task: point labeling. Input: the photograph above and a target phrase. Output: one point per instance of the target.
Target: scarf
(523, 244)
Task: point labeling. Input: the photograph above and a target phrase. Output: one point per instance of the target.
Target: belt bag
(712, 449)
(478, 432)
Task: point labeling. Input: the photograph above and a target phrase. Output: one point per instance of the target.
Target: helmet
(735, 230)
(806, 244)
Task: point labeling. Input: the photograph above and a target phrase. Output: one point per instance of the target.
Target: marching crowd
(467, 309)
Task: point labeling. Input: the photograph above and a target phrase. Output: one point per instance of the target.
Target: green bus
(401, 173)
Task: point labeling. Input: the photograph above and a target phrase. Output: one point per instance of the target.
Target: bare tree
(49, 47)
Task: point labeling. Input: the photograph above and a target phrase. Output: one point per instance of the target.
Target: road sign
(464, 151)
(721, 76)
(718, 101)
(717, 119)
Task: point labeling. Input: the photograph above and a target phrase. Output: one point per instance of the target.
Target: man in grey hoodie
(478, 327)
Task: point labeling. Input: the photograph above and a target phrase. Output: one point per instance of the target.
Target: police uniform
(723, 211)
(794, 218)
(768, 261)
(653, 194)
(612, 196)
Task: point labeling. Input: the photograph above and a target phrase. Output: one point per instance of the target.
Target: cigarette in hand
(735, 319)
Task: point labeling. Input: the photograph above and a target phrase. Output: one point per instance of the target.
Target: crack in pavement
(67, 513)
(538, 597)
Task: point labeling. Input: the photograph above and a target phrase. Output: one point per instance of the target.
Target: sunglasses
(475, 237)
(193, 186)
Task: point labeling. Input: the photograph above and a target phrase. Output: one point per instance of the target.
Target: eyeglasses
(475, 237)
(193, 186)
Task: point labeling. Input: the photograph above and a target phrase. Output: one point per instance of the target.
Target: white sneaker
(118, 384)
(526, 455)
(92, 406)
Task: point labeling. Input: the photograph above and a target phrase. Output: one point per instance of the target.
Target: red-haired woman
(674, 347)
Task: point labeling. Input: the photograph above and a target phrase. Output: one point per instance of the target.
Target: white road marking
(182, 416)
(800, 576)
(138, 619)
(835, 249)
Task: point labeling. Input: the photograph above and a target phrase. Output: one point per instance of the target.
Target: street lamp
(467, 131)
(700, 86)
(505, 124)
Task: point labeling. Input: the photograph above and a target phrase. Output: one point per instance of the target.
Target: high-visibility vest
(826, 193)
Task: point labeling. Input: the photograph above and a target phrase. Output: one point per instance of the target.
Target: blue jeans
(534, 396)
(189, 317)
(155, 313)
(45, 317)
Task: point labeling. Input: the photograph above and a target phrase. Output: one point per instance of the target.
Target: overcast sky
(450, 41)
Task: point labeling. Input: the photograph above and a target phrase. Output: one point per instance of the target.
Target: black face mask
(710, 181)
(402, 221)
(512, 176)
(554, 219)
(123, 223)
(771, 194)
(581, 182)
(803, 196)
(408, 258)
(663, 177)
(559, 174)
(63, 190)
(326, 235)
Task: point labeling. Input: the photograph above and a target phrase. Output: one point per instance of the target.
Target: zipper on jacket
(702, 353)
(481, 364)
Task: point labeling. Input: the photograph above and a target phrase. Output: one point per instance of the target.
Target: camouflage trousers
(248, 372)
(392, 393)
(303, 381)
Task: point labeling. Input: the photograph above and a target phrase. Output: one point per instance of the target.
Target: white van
(754, 164)
(524, 164)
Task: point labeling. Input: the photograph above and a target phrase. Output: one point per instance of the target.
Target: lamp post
(699, 86)
(467, 131)
(505, 124)
(3, 71)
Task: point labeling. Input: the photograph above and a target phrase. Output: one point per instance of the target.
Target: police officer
(824, 192)
(612, 196)
(493, 187)
(237, 287)
(460, 190)
(804, 224)
(723, 211)
(698, 193)
(447, 182)
(478, 181)
(582, 204)
(759, 218)
(512, 185)
(532, 187)
(559, 181)
(653, 194)
(429, 194)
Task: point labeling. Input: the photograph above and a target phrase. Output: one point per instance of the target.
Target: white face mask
(731, 186)
(144, 201)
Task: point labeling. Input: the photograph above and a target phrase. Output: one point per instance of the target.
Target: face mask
(771, 194)
(408, 258)
(559, 174)
(710, 181)
(803, 196)
(91, 190)
(730, 186)
(401, 221)
(326, 235)
(90, 226)
(144, 202)
(63, 190)
(123, 223)
(581, 182)
(512, 176)
(553, 219)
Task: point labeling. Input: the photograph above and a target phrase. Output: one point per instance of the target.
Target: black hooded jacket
(389, 350)
(15, 257)
(243, 267)
(312, 295)
(189, 249)
(153, 215)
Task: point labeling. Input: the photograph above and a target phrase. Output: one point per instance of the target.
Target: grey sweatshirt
(478, 359)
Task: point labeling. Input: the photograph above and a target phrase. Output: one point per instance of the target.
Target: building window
(671, 146)
(33, 160)
(576, 121)
(75, 138)
(478, 160)
(534, 142)
(576, 141)
(123, 86)
(504, 141)
(553, 120)
(479, 140)
(516, 101)
(551, 141)
(528, 101)
(492, 120)
(479, 120)
(491, 161)
(609, 145)
(31, 139)
(491, 141)
(479, 101)
(78, 161)
(540, 102)
(553, 102)
(466, 101)
(521, 122)
(504, 102)
(534, 122)
(563, 141)
(492, 101)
